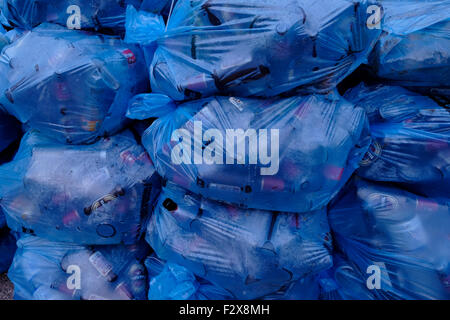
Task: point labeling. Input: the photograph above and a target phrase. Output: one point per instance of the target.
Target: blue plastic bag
(411, 139)
(44, 270)
(398, 237)
(290, 154)
(94, 194)
(3, 39)
(255, 47)
(306, 288)
(158, 6)
(345, 282)
(169, 281)
(99, 15)
(249, 253)
(415, 47)
(71, 85)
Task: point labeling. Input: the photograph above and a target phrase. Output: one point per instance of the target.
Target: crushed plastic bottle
(44, 270)
(411, 139)
(398, 238)
(249, 253)
(94, 194)
(256, 47)
(71, 85)
(290, 154)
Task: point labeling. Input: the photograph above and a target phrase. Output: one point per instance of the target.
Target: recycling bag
(415, 48)
(249, 253)
(254, 48)
(411, 139)
(169, 281)
(344, 281)
(95, 194)
(44, 270)
(72, 86)
(290, 154)
(396, 237)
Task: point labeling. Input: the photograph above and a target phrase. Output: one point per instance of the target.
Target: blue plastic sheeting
(158, 6)
(3, 39)
(249, 253)
(71, 85)
(44, 270)
(95, 194)
(345, 282)
(397, 237)
(254, 48)
(7, 247)
(9, 129)
(411, 139)
(290, 154)
(100, 15)
(169, 281)
(415, 49)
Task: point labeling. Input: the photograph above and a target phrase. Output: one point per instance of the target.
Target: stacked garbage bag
(414, 48)
(78, 272)
(225, 149)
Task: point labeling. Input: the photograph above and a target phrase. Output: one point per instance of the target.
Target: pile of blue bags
(253, 48)
(225, 149)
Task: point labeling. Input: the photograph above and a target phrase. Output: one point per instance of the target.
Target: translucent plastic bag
(169, 281)
(44, 270)
(249, 253)
(158, 6)
(411, 139)
(3, 39)
(289, 154)
(397, 237)
(95, 194)
(71, 85)
(99, 15)
(345, 282)
(255, 47)
(415, 50)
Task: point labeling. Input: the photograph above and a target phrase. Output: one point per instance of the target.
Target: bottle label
(224, 187)
(100, 264)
